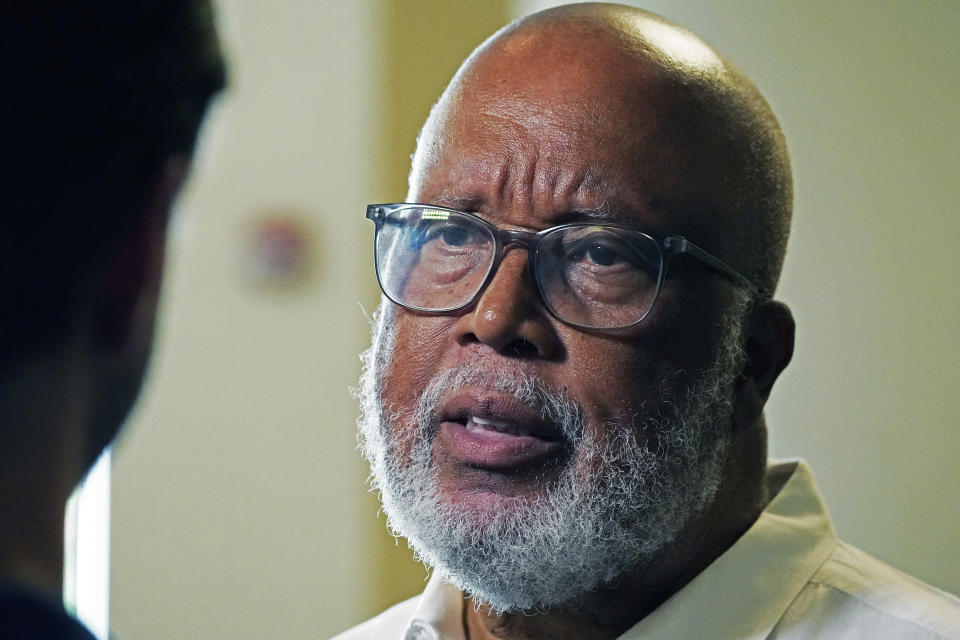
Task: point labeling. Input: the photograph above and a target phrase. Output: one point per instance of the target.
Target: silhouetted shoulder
(26, 615)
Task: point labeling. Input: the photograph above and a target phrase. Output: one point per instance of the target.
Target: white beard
(616, 503)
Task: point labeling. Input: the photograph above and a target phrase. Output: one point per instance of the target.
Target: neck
(40, 463)
(608, 612)
(31, 534)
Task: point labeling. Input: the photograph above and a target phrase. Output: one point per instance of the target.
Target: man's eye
(600, 251)
(454, 236)
(603, 255)
(450, 235)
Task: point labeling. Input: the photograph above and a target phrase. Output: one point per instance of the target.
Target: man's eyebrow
(601, 213)
(452, 200)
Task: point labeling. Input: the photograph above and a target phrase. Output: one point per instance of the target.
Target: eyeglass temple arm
(679, 244)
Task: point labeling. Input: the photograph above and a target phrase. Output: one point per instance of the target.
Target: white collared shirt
(786, 578)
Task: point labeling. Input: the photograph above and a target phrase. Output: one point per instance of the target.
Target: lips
(493, 431)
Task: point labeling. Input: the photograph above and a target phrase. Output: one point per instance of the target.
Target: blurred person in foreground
(101, 106)
(563, 401)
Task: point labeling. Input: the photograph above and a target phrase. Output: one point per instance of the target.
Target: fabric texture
(26, 615)
(787, 578)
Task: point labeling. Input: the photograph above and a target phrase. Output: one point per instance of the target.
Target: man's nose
(509, 317)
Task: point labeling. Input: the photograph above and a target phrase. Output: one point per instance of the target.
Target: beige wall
(867, 93)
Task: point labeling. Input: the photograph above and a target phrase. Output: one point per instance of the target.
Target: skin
(561, 119)
(69, 401)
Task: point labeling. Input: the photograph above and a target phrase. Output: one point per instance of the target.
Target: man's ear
(135, 266)
(768, 346)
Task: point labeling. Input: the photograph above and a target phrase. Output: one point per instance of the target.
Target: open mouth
(494, 432)
(476, 424)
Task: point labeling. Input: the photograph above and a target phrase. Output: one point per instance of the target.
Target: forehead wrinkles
(518, 130)
(507, 150)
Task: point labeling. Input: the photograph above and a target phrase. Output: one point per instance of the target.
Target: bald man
(563, 401)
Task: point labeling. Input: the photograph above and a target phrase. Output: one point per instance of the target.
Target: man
(102, 103)
(563, 402)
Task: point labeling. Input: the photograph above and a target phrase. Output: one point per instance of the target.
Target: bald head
(568, 93)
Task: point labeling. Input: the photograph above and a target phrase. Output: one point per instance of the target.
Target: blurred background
(239, 506)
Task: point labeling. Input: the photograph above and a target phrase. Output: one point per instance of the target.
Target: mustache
(553, 405)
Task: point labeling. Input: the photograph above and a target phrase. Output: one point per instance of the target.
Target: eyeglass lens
(588, 275)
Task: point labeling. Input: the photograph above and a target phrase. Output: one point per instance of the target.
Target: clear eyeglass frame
(531, 240)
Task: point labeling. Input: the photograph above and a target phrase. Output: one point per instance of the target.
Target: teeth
(476, 424)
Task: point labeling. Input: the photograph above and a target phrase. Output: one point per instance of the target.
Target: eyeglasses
(592, 276)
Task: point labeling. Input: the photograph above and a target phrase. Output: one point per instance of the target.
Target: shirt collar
(745, 592)
(439, 613)
(742, 594)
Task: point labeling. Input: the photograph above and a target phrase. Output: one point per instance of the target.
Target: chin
(482, 507)
(482, 495)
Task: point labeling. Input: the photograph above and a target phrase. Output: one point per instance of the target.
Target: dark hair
(96, 95)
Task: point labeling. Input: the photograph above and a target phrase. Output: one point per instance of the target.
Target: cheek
(615, 382)
(418, 348)
(626, 380)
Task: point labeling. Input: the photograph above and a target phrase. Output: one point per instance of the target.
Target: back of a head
(97, 96)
